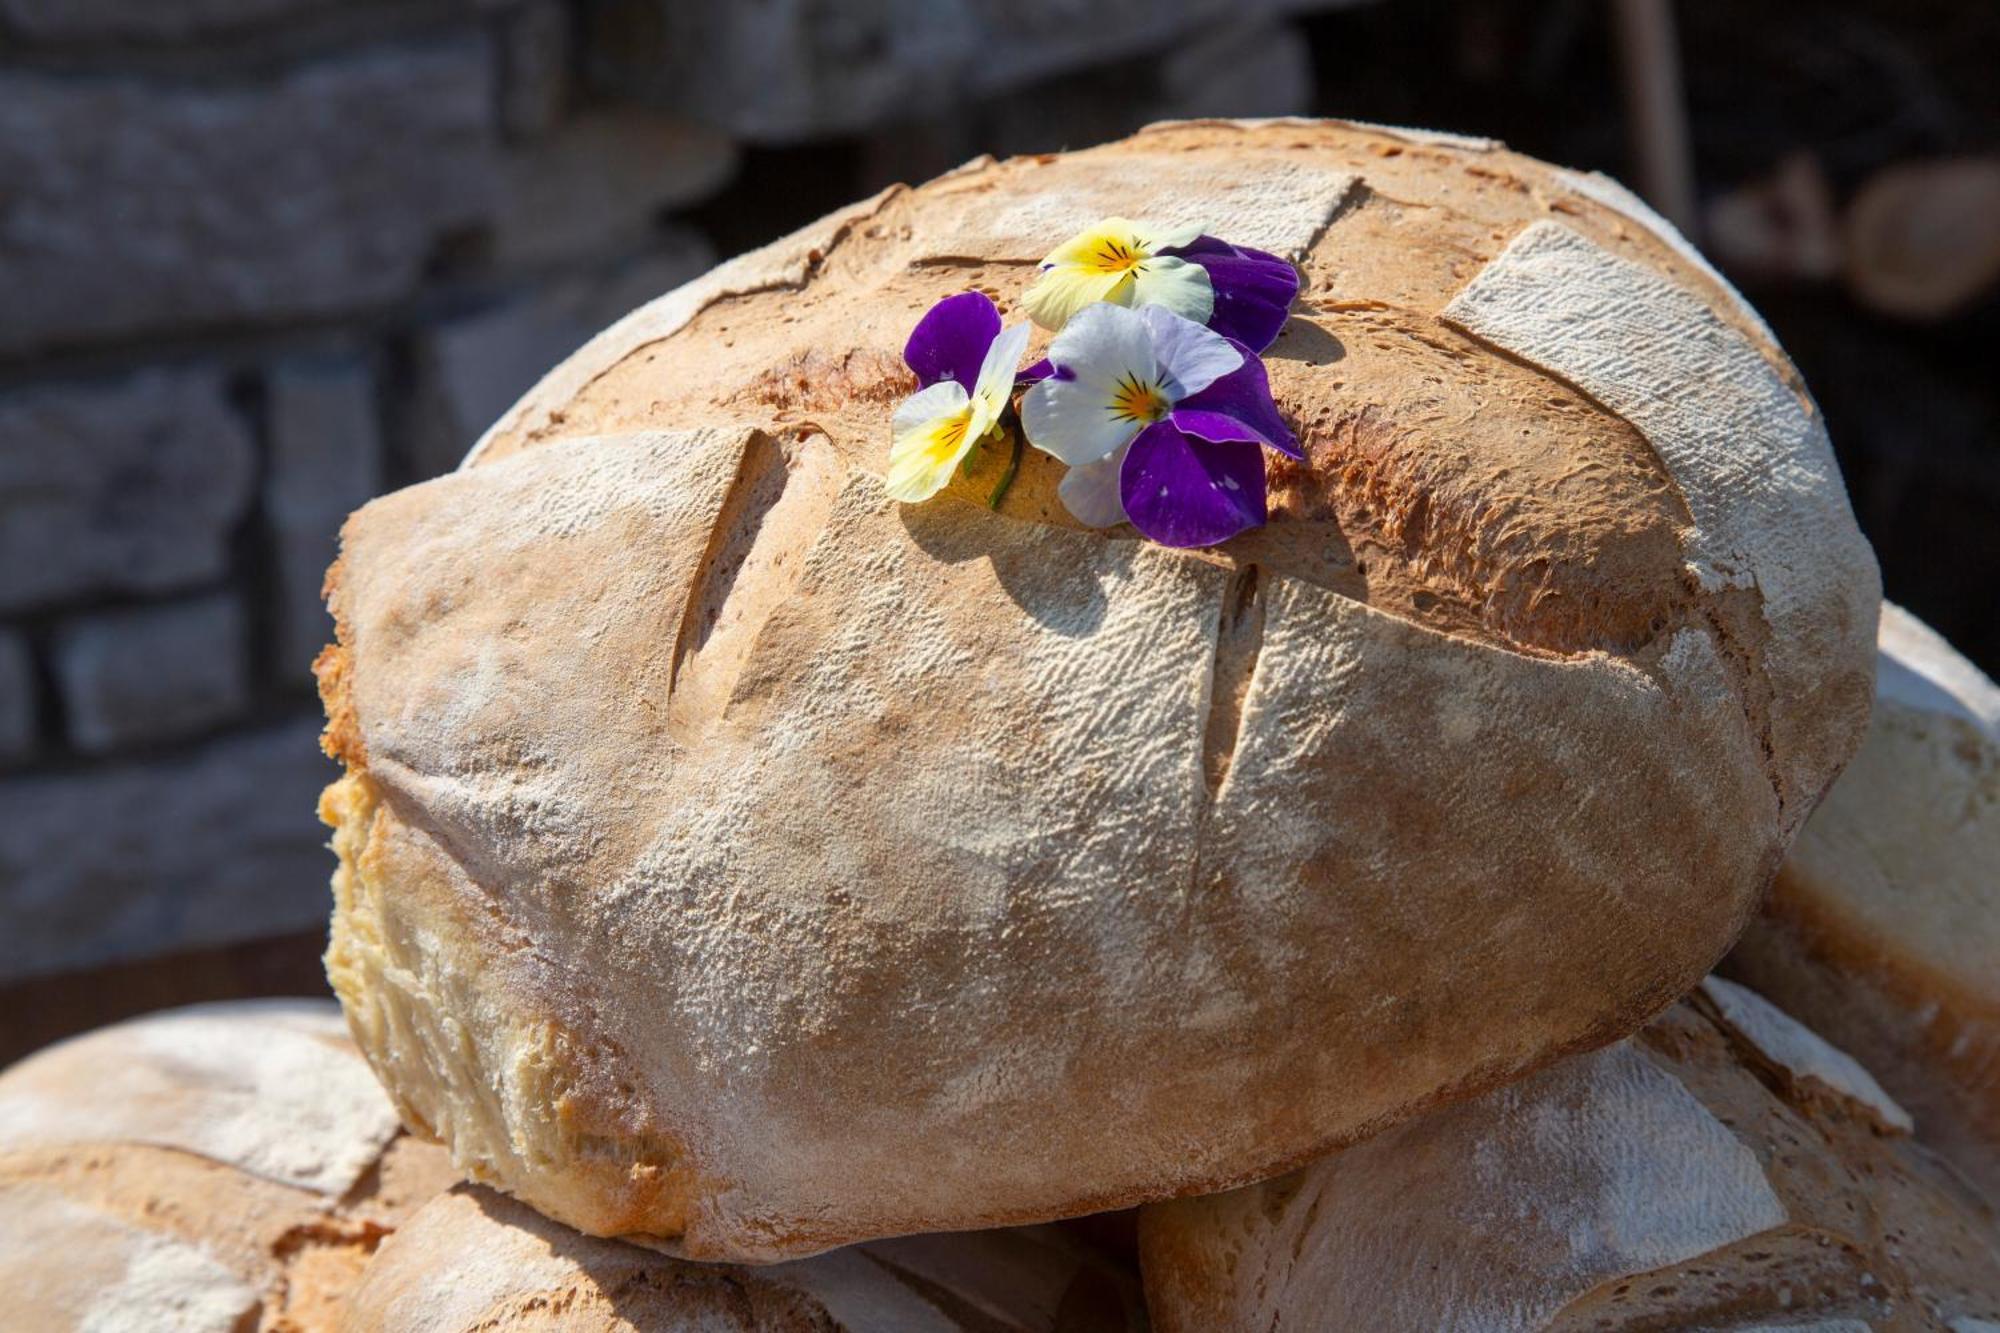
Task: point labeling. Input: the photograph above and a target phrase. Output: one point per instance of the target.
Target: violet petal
(1245, 393)
(1254, 289)
(1183, 491)
(950, 341)
(1215, 427)
(1035, 374)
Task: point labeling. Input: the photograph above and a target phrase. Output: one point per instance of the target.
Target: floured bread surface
(1883, 929)
(473, 1260)
(228, 1167)
(1692, 1177)
(737, 860)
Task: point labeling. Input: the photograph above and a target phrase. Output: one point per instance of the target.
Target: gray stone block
(795, 70)
(599, 184)
(474, 368)
(130, 485)
(145, 858)
(165, 21)
(134, 204)
(1238, 69)
(18, 706)
(155, 673)
(1255, 68)
(326, 462)
(535, 55)
(146, 20)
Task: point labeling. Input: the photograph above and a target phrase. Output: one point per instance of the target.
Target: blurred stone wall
(263, 259)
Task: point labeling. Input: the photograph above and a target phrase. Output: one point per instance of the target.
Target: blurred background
(263, 259)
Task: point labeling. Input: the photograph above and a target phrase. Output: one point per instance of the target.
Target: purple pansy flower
(1254, 290)
(1163, 423)
(967, 365)
(1240, 293)
(950, 342)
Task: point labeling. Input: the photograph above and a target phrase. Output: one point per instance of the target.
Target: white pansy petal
(922, 458)
(1065, 289)
(1156, 239)
(1177, 285)
(1104, 344)
(1090, 492)
(1191, 356)
(1002, 363)
(1074, 420)
(927, 405)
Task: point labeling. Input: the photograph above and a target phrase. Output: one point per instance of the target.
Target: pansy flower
(966, 363)
(1241, 293)
(1254, 289)
(1162, 422)
(1124, 263)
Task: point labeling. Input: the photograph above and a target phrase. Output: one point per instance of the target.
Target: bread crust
(737, 861)
(475, 1260)
(1883, 928)
(228, 1167)
(1725, 1168)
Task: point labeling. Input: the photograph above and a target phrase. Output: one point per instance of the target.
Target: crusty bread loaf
(473, 1261)
(1883, 930)
(736, 859)
(217, 1169)
(1724, 1169)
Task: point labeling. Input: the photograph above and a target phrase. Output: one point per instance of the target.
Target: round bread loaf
(217, 1169)
(1724, 1169)
(473, 1261)
(735, 858)
(1883, 930)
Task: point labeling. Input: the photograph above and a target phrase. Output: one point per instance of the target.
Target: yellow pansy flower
(1124, 263)
(934, 429)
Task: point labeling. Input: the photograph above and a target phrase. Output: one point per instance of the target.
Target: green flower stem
(1007, 477)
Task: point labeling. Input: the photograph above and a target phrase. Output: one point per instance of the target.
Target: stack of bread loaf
(790, 907)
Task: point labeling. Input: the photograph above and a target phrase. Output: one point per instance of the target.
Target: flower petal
(1176, 284)
(927, 405)
(1181, 491)
(932, 433)
(1090, 491)
(1035, 374)
(1253, 289)
(1067, 288)
(1074, 414)
(995, 381)
(1245, 394)
(952, 339)
(1213, 426)
(1156, 239)
(1105, 344)
(1074, 419)
(1191, 356)
(1103, 241)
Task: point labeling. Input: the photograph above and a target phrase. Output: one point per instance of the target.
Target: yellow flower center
(1135, 400)
(944, 442)
(1113, 254)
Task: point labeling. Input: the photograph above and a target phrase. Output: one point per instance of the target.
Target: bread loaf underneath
(217, 1169)
(1724, 1169)
(473, 1261)
(735, 859)
(1883, 929)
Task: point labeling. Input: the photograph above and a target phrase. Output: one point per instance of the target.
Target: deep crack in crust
(1475, 539)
